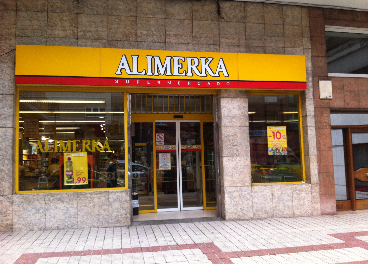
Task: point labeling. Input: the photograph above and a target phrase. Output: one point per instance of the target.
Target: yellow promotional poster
(75, 168)
(277, 140)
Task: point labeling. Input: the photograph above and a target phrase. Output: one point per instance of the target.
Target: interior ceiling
(344, 4)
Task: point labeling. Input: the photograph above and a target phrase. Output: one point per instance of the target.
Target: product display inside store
(71, 140)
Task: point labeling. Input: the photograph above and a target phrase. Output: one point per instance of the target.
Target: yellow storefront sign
(155, 68)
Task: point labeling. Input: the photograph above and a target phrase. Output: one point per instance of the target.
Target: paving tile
(318, 239)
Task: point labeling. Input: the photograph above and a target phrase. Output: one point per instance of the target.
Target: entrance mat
(176, 221)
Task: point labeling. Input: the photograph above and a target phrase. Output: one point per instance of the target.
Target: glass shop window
(346, 53)
(275, 147)
(71, 140)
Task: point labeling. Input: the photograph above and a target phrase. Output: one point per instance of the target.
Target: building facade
(194, 105)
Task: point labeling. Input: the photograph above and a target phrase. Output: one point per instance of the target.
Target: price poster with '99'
(277, 140)
(75, 168)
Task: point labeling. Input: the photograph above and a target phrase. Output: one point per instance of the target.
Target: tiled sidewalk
(319, 239)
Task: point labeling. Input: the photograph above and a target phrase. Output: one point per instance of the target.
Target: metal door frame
(179, 174)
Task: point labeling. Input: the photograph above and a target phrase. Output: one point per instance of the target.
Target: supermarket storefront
(182, 129)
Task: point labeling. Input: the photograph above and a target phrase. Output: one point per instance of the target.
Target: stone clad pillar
(234, 155)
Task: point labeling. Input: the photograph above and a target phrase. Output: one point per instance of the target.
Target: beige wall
(161, 25)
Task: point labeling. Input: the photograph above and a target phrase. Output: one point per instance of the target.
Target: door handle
(366, 174)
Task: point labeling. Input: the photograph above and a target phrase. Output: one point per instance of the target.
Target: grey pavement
(341, 238)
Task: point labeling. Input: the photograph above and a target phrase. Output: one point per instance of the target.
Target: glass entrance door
(179, 165)
(358, 167)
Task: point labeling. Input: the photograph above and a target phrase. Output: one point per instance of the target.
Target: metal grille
(171, 104)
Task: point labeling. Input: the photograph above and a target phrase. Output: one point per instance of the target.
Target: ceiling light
(72, 121)
(290, 112)
(66, 112)
(62, 101)
(67, 128)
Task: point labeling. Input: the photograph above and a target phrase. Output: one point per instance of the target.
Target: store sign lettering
(78, 146)
(173, 66)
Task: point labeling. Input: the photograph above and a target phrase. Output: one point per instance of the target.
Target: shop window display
(71, 140)
(274, 131)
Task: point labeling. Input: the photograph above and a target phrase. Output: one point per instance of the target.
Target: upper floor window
(346, 51)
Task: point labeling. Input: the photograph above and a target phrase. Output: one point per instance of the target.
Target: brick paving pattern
(319, 239)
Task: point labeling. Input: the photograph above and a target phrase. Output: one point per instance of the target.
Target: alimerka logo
(173, 66)
(77, 146)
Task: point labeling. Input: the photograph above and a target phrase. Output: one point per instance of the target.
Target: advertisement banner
(277, 140)
(75, 168)
(165, 161)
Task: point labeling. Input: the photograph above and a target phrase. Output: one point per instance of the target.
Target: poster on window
(277, 141)
(164, 161)
(31, 128)
(75, 168)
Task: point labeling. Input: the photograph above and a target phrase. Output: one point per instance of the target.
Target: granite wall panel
(29, 212)
(232, 34)
(210, 14)
(342, 99)
(282, 200)
(338, 97)
(34, 40)
(62, 6)
(92, 7)
(273, 14)
(6, 110)
(178, 31)
(7, 71)
(235, 141)
(93, 209)
(232, 11)
(292, 15)
(120, 209)
(6, 216)
(302, 200)
(31, 24)
(92, 27)
(62, 25)
(237, 203)
(35, 5)
(151, 8)
(151, 29)
(254, 13)
(72, 42)
(262, 200)
(122, 28)
(70, 210)
(61, 210)
(236, 171)
(6, 175)
(8, 5)
(178, 9)
(7, 23)
(127, 8)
